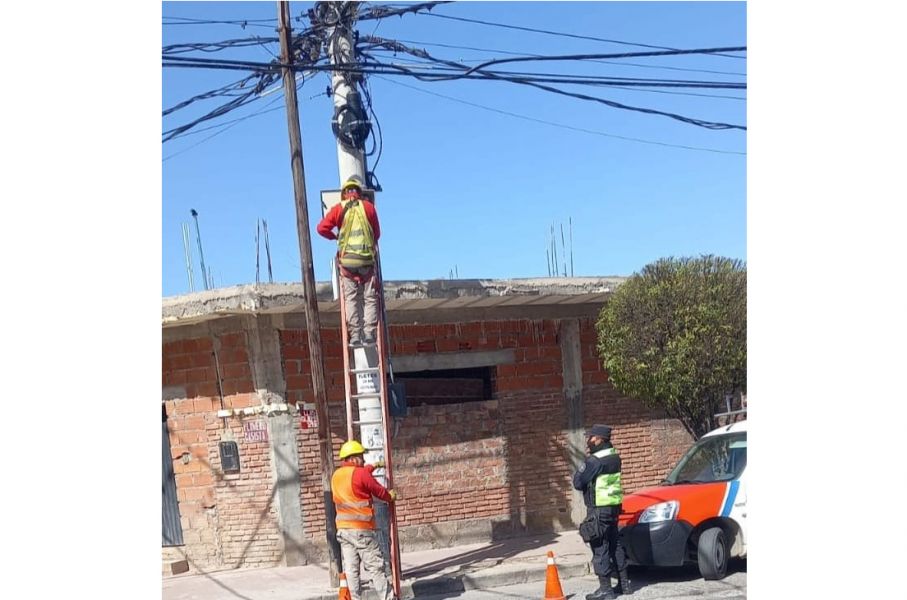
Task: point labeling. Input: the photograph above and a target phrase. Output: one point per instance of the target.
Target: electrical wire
(443, 70)
(367, 92)
(482, 73)
(559, 33)
(216, 46)
(242, 23)
(561, 125)
(681, 118)
(575, 79)
(230, 124)
(224, 91)
(458, 72)
(613, 85)
(607, 62)
(247, 98)
(499, 61)
(384, 11)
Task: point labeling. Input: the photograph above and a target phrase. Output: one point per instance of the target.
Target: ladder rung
(367, 422)
(366, 395)
(366, 370)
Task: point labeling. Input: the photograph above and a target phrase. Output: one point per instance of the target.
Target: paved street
(677, 584)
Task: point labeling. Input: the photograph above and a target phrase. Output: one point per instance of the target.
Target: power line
(608, 62)
(223, 91)
(560, 33)
(230, 124)
(561, 125)
(382, 12)
(560, 57)
(396, 68)
(242, 23)
(576, 79)
(216, 46)
(585, 79)
(247, 98)
(459, 72)
(675, 116)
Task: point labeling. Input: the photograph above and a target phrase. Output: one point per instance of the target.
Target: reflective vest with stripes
(353, 512)
(356, 243)
(608, 490)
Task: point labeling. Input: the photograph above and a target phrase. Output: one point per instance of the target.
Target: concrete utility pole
(351, 124)
(340, 50)
(313, 323)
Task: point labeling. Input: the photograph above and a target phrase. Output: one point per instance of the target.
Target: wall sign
(255, 431)
(309, 419)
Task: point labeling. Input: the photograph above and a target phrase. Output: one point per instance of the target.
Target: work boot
(623, 583)
(604, 591)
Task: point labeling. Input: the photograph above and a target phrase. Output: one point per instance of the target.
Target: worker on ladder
(357, 222)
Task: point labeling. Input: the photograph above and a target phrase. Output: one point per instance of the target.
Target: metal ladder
(366, 365)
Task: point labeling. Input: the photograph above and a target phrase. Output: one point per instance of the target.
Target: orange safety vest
(353, 512)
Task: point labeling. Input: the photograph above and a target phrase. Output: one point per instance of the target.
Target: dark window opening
(446, 386)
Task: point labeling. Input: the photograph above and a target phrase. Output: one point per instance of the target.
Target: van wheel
(712, 554)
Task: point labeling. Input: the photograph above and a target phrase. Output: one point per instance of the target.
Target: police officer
(599, 480)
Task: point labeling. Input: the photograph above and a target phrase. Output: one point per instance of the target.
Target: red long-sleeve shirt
(365, 485)
(334, 219)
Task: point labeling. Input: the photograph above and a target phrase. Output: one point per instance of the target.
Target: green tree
(674, 336)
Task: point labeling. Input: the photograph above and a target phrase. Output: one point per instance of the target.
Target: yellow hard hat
(350, 448)
(353, 181)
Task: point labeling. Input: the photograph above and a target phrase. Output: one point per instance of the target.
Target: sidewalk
(426, 572)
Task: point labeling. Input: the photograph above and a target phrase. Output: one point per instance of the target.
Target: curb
(479, 580)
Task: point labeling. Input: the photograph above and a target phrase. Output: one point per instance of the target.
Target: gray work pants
(360, 546)
(361, 304)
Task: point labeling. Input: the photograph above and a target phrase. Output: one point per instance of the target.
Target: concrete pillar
(265, 362)
(285, 473)
(572, 364)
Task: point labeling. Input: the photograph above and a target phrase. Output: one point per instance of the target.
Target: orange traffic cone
(553, 589)
(344, 592)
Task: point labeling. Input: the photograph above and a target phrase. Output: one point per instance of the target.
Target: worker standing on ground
(357, 222)
(352, 488)
(599, 480)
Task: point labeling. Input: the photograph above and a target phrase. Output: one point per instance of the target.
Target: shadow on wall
(231, 490)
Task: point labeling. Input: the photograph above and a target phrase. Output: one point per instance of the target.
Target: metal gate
(173, 531)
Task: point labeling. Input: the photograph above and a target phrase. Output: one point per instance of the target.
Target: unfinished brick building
(501, 380)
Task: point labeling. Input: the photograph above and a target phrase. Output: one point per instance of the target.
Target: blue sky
(466, 188)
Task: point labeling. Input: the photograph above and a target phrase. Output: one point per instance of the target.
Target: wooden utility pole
(313, 323)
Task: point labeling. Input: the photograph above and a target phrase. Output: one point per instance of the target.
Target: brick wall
(294, 350)
(449, 464)
(227, 519)
(246, 518)
(503, 459)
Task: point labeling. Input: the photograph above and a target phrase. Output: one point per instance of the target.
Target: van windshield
(713, 458)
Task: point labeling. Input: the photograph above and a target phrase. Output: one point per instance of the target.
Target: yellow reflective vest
(356, 242)
(608, 488)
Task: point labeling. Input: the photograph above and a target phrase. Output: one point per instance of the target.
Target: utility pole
(313, 323)
(351, 128)
(347, 104)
